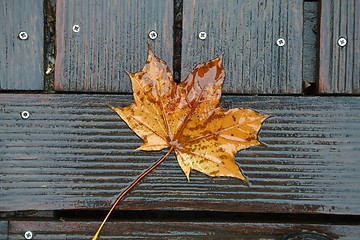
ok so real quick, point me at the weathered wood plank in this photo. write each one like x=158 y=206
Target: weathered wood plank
x=246 y=32
x=75 y=153
x=340 y=66
x=3 y=229
x=95 y=58
x=310 y=44
x=21 y=61
x=179 y=230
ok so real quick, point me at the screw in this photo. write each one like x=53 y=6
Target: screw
x=153 y=34
x=28 y=235
x=342 y=42
x=23 y=35
x=76 y=28
x=202 y=35
x=25 y=114
x=48 y=71
x=280 y=42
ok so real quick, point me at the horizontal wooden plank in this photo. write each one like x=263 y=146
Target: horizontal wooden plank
x=180 y=230
x=73 y=152
x=21 y=61
x=340 y=65
x=246 y=32
x=111 y=39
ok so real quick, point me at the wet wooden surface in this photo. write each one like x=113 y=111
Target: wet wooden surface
x=179 y=230
x=73 y=152
x=96 y=58
x=310 y=47
x=246 y=33
x=21 y=61
x=340 y=66
x=3 y=229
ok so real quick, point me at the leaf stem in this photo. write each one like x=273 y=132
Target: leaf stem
x=131 y=186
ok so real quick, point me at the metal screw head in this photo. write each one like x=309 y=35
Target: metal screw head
x=48 y=70
x=342 y=42
x=153 y=34
x=25 y=114
x=28 y=235
x=76 y=28
x=280 y=42
x=202 y=35
x=23 y=35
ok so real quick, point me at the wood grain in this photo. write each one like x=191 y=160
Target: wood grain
x=310 y=45
x=178 y=230
x=340 y=66
x=21 y=61
x=75 y=153
x=3 y=229
x=95 y=58
x=246 y=33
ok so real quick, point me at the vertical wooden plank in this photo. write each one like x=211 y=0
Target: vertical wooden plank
x=21 y=61
x=246 y=32
x=310 y=59
x=340 y=65
x=112 y=39
x=4 y=226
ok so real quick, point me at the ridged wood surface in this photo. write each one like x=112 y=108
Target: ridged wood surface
x=179 y=230
x=112 y=39
x=3 y=229
x=340 y=66
x=73 y=152
x=246 y=33
x=21 y=61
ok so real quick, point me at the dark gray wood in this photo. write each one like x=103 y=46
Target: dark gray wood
x=3 y=229
x=178 y=230
x=246 y=32
x=21 y=61
x=112 y=39
x=75 y=153
x=340 y=66
x=310 y=57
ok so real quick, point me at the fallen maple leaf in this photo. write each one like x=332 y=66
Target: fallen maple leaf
x=188 y=119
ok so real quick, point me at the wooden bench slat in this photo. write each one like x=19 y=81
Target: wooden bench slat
x=177 y=230
x=246 y=32
x=75 y=153
x=340 y=66
x=112 y=39
x=21 y=61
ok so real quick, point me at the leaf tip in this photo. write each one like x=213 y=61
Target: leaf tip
x=219 y=59
x=267 y=116
x=149 y=50
x=247 y=182
x=221 y=56
x=261 y=144
x=111 y=107
x=141 y=148
x=130 y=74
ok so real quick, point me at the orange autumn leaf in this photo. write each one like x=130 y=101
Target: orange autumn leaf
x=188 y=118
